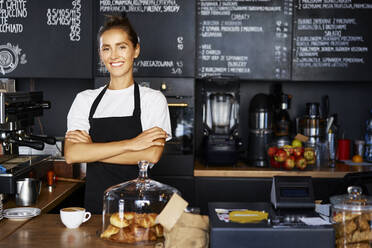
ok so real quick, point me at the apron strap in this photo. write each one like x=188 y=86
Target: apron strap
x=137 y=102
x=96 y=102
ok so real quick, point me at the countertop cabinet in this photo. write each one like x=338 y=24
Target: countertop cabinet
x=231 y=190
x=219 y=189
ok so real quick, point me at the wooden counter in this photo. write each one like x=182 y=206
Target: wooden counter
x=46 y=201
x=47 y=231
x=243 y=170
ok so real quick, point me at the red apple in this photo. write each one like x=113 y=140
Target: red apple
x=288 y=149
x=301 y=163
x=275 y=164
x=289 y=163
x=298 y=151
x=280 y=155
x=271 y=151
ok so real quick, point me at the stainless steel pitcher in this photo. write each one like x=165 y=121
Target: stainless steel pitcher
x=28 y=190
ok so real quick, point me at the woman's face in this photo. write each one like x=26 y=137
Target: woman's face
x=117 y=52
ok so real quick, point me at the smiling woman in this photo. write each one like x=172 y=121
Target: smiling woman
x=117 y=52
x=116 y=126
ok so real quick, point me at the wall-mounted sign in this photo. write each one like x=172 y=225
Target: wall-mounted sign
x=245 y=39
x=332 y=40
x=45 y=38
x=166 y=30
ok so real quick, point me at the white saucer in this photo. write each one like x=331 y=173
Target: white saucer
x=21 y=213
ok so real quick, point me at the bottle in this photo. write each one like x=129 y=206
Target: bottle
x=368 y=139
x=282 y=119
x=332 y=137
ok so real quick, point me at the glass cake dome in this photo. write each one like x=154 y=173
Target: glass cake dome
x=130 y=209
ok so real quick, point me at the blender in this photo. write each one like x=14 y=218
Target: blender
x=220 y=120
x=260 y=130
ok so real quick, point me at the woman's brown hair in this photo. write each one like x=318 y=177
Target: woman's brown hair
x=121 y=22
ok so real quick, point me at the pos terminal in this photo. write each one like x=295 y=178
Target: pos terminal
x=292 y=202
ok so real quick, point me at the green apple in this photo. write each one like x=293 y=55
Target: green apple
x=296 y=143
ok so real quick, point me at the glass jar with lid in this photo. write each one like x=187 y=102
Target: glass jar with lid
x=130 y=209
x=352 y=215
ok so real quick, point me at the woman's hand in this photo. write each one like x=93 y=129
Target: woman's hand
x=148 y=138
x=78 y=136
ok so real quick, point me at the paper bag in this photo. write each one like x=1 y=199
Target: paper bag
x=190 y=231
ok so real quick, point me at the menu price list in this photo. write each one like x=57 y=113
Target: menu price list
x=249 y=39
x=45 y=38
x=332 y=41
x=166 y=29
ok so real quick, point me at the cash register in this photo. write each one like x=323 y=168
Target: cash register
x=292 y=202
x=18 y=111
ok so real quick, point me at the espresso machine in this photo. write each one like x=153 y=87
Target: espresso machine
x=260 y=130
x=220 y=122
x=17 y=113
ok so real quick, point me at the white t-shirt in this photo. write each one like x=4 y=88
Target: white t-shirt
x=118 y=103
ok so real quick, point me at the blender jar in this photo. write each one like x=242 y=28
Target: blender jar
x=130 y=209
x=221 y=105
x=352 y=216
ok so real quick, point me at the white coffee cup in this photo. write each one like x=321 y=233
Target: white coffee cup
x=73 y=217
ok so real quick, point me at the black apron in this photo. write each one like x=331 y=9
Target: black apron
x=101 y=175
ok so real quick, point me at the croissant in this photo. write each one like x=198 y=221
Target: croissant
x=119 y=222
x=125 y=235
x=145 y=220
x=111 y=230
x=133 y=227
x=159 y=231
x=140 y=233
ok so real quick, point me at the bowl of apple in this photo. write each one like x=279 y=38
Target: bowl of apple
x=292 y=156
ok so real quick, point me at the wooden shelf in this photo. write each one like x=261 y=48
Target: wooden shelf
x=46 y=201
x=243 y=170
x=47 y=231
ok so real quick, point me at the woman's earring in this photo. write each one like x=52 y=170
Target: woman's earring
x=101 y=67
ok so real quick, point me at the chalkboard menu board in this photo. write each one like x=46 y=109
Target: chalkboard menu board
x=245 y=39
x=46 y=38
x=166 y=29
x=332 y=40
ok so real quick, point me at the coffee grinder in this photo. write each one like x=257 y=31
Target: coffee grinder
x=260 y=130
x=220 y=122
